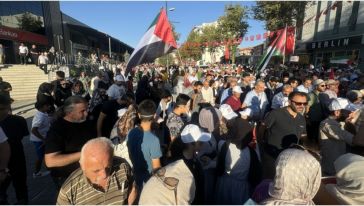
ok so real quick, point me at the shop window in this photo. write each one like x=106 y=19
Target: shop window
x=340 y=53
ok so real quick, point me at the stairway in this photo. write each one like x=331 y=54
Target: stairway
x=24 y=79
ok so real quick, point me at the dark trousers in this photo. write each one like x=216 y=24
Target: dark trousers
x=23 y=58
x=44 y=68
x=35 y=59
x=18 y=176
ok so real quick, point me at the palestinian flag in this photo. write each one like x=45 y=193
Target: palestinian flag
x=156 y=42
x=277 y=47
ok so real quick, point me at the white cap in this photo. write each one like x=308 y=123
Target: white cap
x=335 y=105
x=246 y=112
x=192 y=133
x=121 y=112
x=343 y=102
x=227 y=112
x=119 y=78
x=237 y=89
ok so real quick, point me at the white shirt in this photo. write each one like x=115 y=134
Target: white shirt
x=208 y=95
x=115 y=91
x=302 y=88
x=23 y=49
x=279 y=101
x=192 y=78
x=40 y=120
x=3 y=136
x=43 y=59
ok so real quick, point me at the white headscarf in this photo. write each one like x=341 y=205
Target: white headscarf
x=349 y=187
x=297 y=179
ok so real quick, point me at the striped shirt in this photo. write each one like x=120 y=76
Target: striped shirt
x=78 y=191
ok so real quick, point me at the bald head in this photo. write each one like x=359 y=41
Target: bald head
x=259 y=86
x=96 y=160
x=96 y=148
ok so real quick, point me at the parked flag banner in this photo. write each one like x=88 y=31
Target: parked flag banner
x=156 y=42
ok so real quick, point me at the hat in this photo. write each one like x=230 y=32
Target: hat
x=227 y=112
x=192 y=133
x=343 y=102
x=335 y=105
x=119 y=78
x=237 y=89
x=331 y=81
x=246 y=112
x=318 y=82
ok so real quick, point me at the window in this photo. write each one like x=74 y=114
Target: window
x=338 y=17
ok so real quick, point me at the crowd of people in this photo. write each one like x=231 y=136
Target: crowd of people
x=224 y=134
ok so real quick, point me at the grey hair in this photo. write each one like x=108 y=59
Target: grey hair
x=70 y=103
x=103 y=142
x=258 y=82
x=286 y=86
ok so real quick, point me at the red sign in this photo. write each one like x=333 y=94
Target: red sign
x=22 y=36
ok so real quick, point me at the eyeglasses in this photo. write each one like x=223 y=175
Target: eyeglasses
x=299 y=103
x=316 y=155
x=169 y=182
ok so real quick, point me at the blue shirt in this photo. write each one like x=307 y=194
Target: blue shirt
x=257 y=103
x=143 y=147
x=225 y=94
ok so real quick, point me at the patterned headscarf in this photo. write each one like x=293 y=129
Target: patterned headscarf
x=297 y=179
x=126 y=122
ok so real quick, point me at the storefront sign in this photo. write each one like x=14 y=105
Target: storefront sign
x=335 y=43
x=22 y=36
x=80 y=46
x=294 y=59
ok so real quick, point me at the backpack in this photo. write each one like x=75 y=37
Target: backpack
x=255 y=169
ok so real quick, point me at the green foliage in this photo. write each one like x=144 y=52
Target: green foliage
x=278 y=14
x=30 y=23
x=233 y=23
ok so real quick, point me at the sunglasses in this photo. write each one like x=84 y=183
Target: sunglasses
x=299 y=103
x=316 y=155
x=169 y=182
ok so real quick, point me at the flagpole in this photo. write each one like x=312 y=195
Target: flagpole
x=285 y=44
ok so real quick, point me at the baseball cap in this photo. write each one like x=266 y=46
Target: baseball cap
x=119 y=78
x=335 y=105
x=227 y=112
x=237 y=89
x=318 y=82
x=192 y=133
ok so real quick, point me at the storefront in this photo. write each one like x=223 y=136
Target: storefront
x=11 y=38
x=349 y=48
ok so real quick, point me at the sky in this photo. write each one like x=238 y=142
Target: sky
x=128 y=21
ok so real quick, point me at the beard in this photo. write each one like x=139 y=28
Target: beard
x=79 y=121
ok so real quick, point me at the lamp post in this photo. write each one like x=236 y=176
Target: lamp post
x=109 y=47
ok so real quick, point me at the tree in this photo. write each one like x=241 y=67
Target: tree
x=192 y=52
x=233 y=24
x=30 y=22
x=211 y=34
x=278 y=14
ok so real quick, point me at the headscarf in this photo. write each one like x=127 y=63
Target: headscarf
x=95 y=100
x=349 y=187
x=209 y=118
x=297 y=178
x=126 y=122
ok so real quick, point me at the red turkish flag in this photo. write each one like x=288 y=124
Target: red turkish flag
x=246 y=38
x=252 y=38
x=265 y=35
x=258 y=36
x=290 y=40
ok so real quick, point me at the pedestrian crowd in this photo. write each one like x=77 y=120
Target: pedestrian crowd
x=222 y=134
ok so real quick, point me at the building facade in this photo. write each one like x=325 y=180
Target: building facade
x=335 y=34
x=42 y=23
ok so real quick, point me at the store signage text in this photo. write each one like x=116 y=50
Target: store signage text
x=334 y=43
